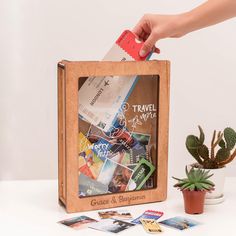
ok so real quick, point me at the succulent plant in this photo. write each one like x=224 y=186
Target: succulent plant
x=197 y=180
x=212 y=159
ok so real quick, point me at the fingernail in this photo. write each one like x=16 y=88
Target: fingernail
x=142 y=53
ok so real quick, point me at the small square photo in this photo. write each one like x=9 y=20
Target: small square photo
x=119 y=215
x=111 y=225
x=78 y=222
x=180 y=223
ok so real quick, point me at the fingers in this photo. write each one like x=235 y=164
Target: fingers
x=138 y=29
x=157 y=50
x=148 y=45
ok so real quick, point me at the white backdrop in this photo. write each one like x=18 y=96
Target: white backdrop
x=36 y=34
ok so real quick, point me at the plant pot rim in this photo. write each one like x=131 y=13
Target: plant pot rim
x=201 y=167
x=186 y=190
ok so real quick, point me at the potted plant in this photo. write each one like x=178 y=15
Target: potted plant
x=216 y=157
x=194 y=188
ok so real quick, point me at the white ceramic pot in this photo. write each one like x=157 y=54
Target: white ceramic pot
x=218 y=178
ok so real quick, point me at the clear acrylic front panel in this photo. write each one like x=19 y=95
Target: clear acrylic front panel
x=117 y=137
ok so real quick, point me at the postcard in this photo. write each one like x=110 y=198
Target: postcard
x=102 y=148
x=107 y=172
x=111 y=225
x=90 y=164
x=89 y=187
x=78 y=222
x=114 y=175
x=137 y=153
x=180 y=223
x=143 y=139
x=83 y=142
x=119 y=215
x=94 y=134
x=117 y=157
x=122 y=158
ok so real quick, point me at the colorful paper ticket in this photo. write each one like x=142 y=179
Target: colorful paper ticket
x=151 y=226
x=149 y=214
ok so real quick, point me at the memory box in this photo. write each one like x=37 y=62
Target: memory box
x=113 y=129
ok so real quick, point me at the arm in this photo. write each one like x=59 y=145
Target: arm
x=209 y=13
x=152 y=28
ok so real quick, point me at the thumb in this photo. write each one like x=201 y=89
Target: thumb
x=148 y=45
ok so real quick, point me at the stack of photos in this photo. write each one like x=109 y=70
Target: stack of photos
x=115 y=221
x=120 y=158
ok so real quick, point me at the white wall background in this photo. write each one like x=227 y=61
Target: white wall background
x=36 y=34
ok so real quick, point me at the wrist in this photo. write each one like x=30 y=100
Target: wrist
x=185 y=23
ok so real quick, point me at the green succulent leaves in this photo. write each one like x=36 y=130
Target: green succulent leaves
x=192 y=144
x=230 y=138
x=222 y=154
x=206 y=156
x=222 y=143
x=196 y=146
x=202 y=135
x=197 y=180
x=203 y=151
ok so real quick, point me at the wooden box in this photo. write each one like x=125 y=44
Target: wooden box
x=152 y=88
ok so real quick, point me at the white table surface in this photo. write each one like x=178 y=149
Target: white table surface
x=31 y=208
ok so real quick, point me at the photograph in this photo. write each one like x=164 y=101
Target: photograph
x=137 y=153
x=111 y=225
x=115 y=176
x=116 y=157
x=119 y=215
x=122 y=157
x=83 y=142
x=78 y=222
x=143 y=139
x=102 y=148
x=180 y=223
x=140 y=149
x=107 y=172
x=94 y=134
x=90 y=187
x=90 y=164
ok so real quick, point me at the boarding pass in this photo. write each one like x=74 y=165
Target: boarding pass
x=101 y=98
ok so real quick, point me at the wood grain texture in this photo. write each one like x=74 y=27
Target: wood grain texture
x=61 y=134
x=68 y=172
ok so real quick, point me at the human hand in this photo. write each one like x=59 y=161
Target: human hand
x=152 y=28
